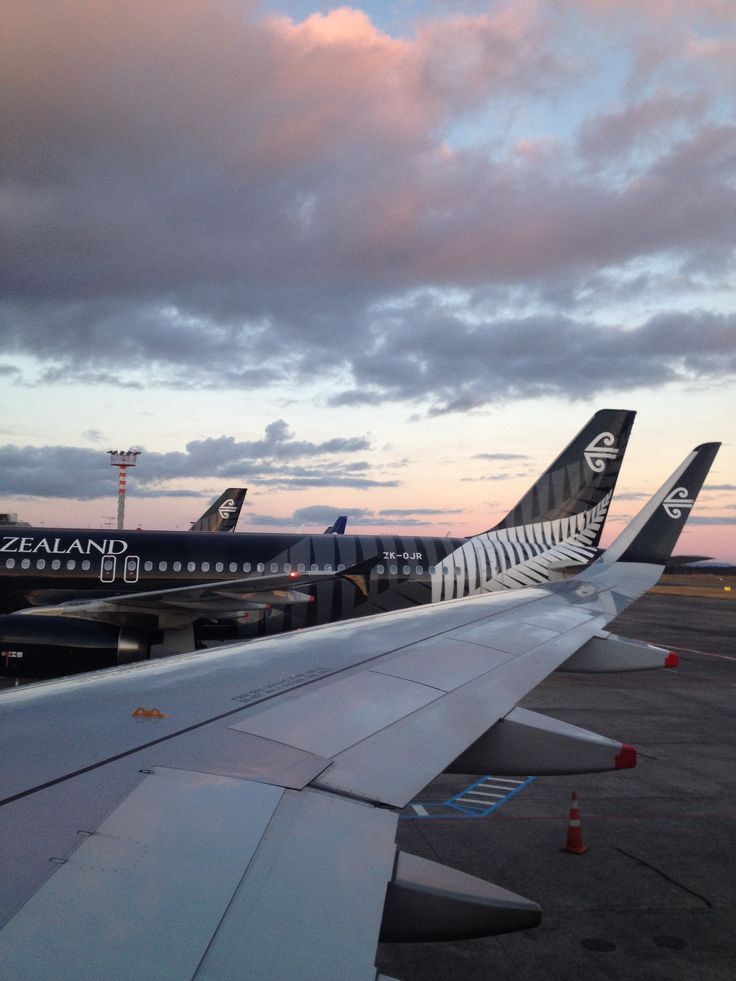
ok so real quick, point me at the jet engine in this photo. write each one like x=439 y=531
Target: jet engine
x=49 y=646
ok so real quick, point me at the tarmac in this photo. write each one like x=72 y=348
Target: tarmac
x=654 y=897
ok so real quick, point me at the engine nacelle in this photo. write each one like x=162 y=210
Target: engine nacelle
x=49 y=646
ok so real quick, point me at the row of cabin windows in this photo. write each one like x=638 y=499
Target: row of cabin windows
x=233 y=567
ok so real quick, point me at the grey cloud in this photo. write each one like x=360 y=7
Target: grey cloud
x=437 y=354
x=324 y=514
x=235 y=205
x=500 y=456
x=276 y=460
x=700 y=519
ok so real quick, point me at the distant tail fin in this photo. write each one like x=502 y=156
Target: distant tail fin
x=653 y=533
x=224 y=513
x=339 y=526
x=582 y=477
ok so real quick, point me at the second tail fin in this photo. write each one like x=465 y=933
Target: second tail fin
x=224 y=513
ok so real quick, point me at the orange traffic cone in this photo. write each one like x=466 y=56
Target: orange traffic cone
x=574 y=843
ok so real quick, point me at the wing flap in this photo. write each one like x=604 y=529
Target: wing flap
x=134 y=871
x=376 y=768
x=297 y=912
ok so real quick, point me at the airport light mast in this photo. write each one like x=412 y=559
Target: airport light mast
x=122 y=459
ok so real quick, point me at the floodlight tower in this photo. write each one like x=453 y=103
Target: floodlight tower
x=122 y=459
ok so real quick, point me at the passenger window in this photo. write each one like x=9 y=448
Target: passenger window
x=432 y=570
x=176 y=566
x=380 y=570
x=191 y=566
x=147 y=566
x=314 y=567
x=233 y=567
x=393 y=569
x=274 y=567
x=86 y=564
x=406 y=570
x=205 y=567
x=260 y=567
x=287 y=566
x=10 y=563
x=328 y=567
x=219 y=567
x=301 y=567
x=246 y=567
x=341 y=568
x=71 y=564
x=420 y=570
x=41 y=563
x=163 y=566
x=25 y=563
x=56 y=563
x=445 y=570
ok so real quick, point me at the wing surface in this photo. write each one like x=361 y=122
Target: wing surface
x=233 y=814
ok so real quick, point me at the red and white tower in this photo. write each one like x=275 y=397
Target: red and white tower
x=122 y=459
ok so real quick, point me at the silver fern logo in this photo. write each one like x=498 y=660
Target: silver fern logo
x=676 y=500
x=602 y=449
x=226 y=509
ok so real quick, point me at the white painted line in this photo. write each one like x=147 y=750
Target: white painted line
x=421 y=811
x=483 y=797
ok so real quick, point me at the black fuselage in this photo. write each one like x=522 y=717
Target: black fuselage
x=45 y=567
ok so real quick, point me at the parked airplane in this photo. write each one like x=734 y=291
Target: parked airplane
x=338 y=526
x=223 y=514
x=234 y=814
x=94 y=599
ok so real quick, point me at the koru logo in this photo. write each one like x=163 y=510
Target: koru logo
x=600 y=451
x=676 y=501
x=226 y=509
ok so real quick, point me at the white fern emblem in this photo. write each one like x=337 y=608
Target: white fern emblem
x=602 y=449
x=676 y=501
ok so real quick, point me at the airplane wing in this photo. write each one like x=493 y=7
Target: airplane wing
x=184 y=604
x=233 y=814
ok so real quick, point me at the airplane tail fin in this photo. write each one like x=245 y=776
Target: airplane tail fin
x=224 y=513
x=653 y=533
x=582 y=477
x=339 y=526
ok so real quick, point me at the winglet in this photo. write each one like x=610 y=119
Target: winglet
x=583 y=474
x=653 y=533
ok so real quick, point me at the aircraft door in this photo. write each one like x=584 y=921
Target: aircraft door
x=132 y=568
x=107 y=568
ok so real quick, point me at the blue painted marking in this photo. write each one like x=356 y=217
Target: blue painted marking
x=459 y=808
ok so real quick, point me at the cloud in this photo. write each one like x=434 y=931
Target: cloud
x=276 y=460
x=461 y=364
x=699 y=519
x=325 y=514
x=500 y=456
x=206 y=197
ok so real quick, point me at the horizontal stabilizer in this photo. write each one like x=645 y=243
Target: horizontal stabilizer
x=609 y=652
x=427 y=902
x=528 y=743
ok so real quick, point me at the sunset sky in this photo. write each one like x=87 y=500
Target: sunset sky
x=383 y=259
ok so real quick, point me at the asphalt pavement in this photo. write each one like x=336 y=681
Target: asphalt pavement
x=654 y=897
